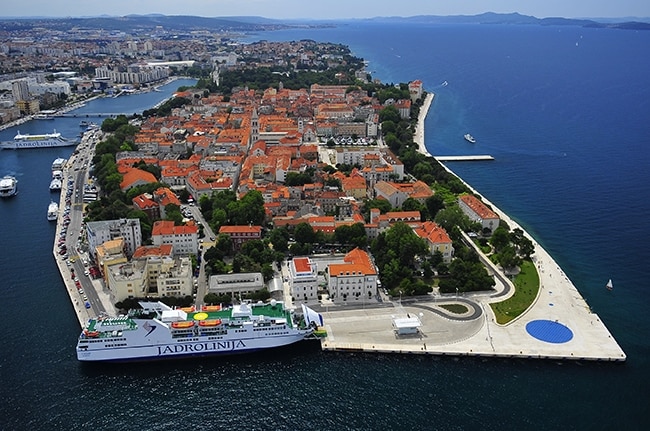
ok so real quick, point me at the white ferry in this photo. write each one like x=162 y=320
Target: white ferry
x=157 y=331
x=8 y=186
x=52 y=211
x=37 y=141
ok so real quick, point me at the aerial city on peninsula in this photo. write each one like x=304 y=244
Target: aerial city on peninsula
x=286 y=196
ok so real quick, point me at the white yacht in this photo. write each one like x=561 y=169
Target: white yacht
x=8 y=186
x=52 y=211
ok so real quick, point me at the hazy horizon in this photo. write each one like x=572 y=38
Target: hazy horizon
x=331 y=10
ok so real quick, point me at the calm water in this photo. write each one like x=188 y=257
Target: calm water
x=565 y=113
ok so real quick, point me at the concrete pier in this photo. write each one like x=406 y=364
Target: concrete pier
x=463 y=158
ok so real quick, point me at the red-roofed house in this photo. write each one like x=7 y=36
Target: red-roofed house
x=353 y=280
x=145 y=202
x=437 y=239
x=478 y=211
x=241 y=234
x=184 y=239
x=136 y=177
x=303 y=279
x=163 y=196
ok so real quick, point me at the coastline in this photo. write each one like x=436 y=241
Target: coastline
x=476 y=332
x=557 y=296
x=418 y=138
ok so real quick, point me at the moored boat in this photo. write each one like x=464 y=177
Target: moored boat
x=52 y=211
x=55 y=184
x=157 y=331
x=8 y=186
x=58 y=164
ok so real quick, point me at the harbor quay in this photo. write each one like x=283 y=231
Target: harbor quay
x=77 y=260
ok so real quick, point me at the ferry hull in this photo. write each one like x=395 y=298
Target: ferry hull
x=179 y=349
x=35 y=144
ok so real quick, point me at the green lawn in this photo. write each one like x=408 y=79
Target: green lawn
x=455 y=308
x=526 y=288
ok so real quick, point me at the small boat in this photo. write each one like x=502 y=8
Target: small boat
x=211 y=322
x=609 y=285
x=469 y=138
x=55 y=184
x=182 y=324
x=8 y=186
x=52 y=211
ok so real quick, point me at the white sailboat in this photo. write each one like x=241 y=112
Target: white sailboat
x=609 y=285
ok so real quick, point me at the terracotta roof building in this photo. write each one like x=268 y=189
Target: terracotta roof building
x=241 y=234
x=303 y=279
x=354 y=280
x=477 y=211
x=184 y=239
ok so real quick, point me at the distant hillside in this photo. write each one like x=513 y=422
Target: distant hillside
x=515 y=18
x=145 y=22
x=181 y=23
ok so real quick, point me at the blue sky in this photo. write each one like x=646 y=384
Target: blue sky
x=327 y=9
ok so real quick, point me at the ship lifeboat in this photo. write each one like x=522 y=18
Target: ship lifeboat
x=211 y=308
x=211 y=322
x=182 y=325
x=188 y=309
x=91 y=334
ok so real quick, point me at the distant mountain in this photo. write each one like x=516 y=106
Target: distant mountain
x=180 y=23
x=515 y=18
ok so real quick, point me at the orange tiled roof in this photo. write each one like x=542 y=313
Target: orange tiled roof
x=478 y=207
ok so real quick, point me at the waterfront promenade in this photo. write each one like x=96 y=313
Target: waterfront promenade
x=78 y=260
x=558 y=307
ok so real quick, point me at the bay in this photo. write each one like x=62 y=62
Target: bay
x=564 y=111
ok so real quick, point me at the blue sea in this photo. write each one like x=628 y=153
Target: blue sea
x=565 y=111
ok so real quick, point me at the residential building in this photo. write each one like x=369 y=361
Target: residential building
x=240 y=234
x=479 y=212
x=183 y=239
x=303 y=279
x=98 y=232
x=437 y=239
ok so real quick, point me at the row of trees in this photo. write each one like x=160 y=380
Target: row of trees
x=223 y=208
x=510 y=248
